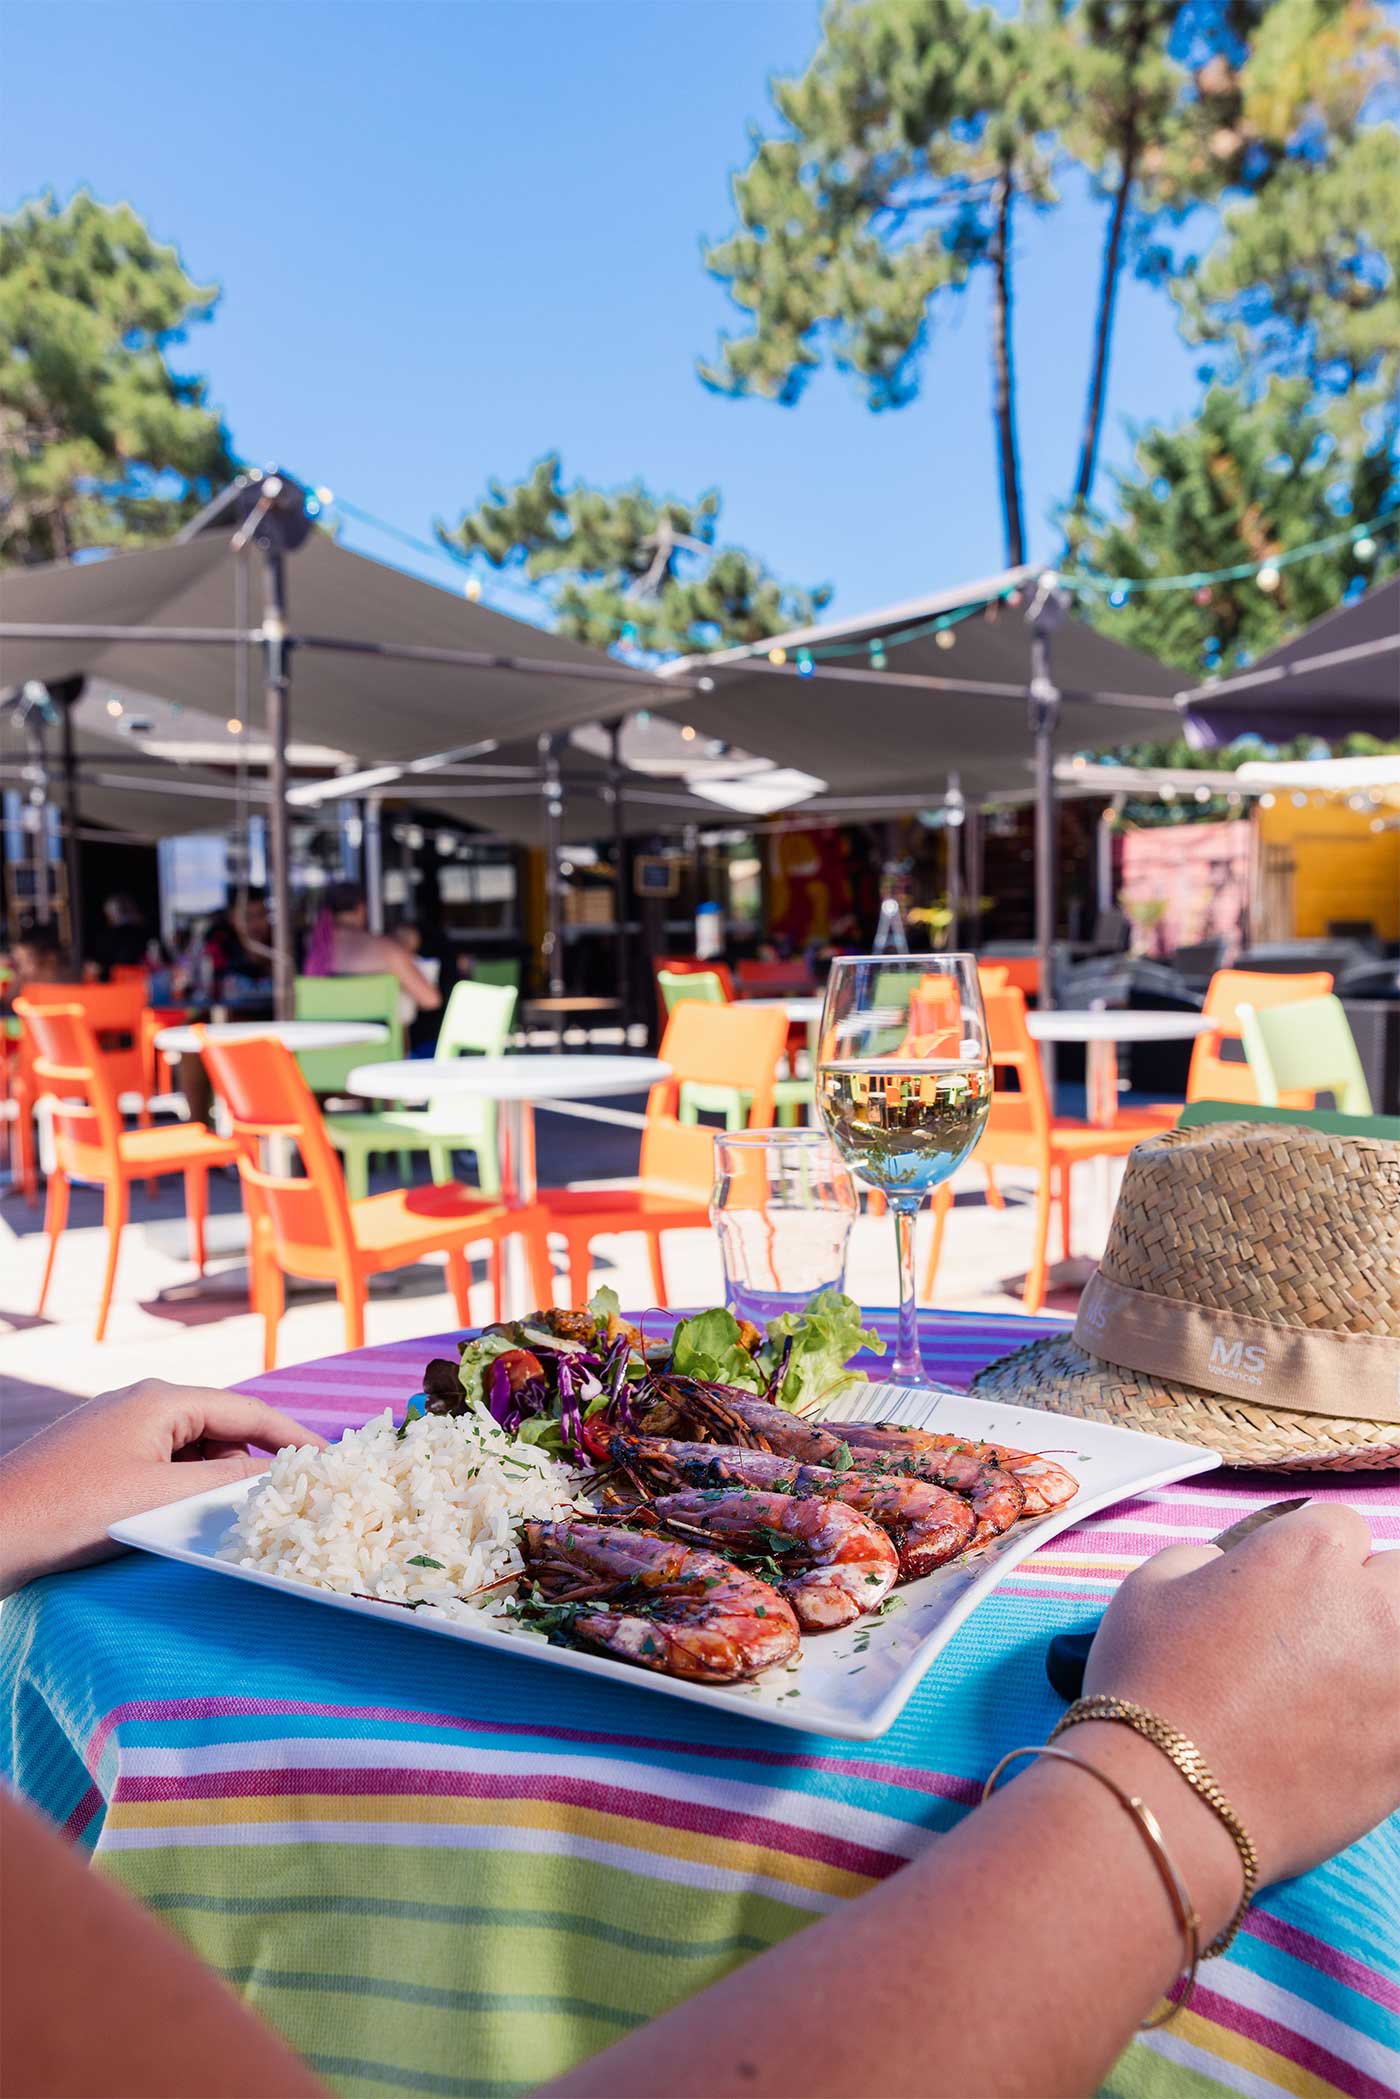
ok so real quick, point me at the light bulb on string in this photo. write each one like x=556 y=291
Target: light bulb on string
x=1118 y=597
x=805 y=665
x=945 y=638
x=1268 y=578
x=234 y=725
x=471 y=589
x=1364 y=548
x=1202 y=794
x=114 y=708
x=1300 y=801
x=878 y=658
x=687 y=734
x=778 y=656
x=1266 y=801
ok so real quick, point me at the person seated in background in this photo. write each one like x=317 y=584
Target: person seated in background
x=1014 y=1956
x=343 y=946
x=37 y=956
x=235 y=950
x=125 y=940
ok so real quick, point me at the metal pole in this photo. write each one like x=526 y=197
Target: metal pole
x=276 y=680
x=374 y=864
x=1046 y=613
x=1103 y=862
x=955 y=815
x=623 y=961
x=974 y=847
x=71 y=854
x=553 y=946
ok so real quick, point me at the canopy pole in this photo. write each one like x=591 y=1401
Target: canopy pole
x=553 y=944
x=1047 y=612
x=975 y=850
x=276 y=681
x=72 y=857
x=373 y=854
x=954 y=817
x=619 y=815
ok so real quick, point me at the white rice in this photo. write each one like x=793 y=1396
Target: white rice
x=453 y=1489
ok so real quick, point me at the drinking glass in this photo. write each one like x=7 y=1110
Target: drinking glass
x=904 y=1083
x=782 y=1209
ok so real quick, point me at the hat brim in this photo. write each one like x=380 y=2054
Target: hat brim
x=1062 y=1378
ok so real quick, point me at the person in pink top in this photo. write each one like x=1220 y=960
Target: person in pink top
x=342 y=945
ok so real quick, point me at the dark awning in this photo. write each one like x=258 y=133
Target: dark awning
x=1339 y=677
x=934 y=709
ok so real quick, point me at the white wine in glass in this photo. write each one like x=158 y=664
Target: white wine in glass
x=904 y=1083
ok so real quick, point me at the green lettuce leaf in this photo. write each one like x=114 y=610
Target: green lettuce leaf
x=825 y=1334
x=605 y=1304
x=708 y=1346
x=477 y=1356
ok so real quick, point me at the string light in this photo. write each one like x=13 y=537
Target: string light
x=471 y=589
x=234 y=725
x=777 y=656
x=687 y=734
x=1300 y=801
x=945 y=638
x=1268 y=578
x=114 y=708
x=805 y=666
x=1266 y=801
x=1118 y=597
x=1364 y=548
x=878 y=658
x=1202 y=794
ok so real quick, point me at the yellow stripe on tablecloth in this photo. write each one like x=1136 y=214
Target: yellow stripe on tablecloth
x=1241 y=2053
x=697 y=1848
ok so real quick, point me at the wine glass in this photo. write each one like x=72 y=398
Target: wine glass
x=904 y=1083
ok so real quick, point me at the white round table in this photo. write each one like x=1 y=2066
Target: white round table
x=1101 y=1029
x=182 y=1041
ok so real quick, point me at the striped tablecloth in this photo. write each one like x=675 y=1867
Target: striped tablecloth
x=444 y=1871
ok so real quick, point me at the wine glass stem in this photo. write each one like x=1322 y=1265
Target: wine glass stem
x=908 y=1365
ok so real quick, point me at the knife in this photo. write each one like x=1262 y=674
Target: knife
x=1068 y=1653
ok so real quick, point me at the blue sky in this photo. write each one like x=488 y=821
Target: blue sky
x=455 y=234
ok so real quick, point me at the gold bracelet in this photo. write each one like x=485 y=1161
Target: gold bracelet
x=1182 y=1752
x=1183 y=1908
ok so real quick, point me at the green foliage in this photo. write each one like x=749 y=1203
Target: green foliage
x=101 y=443
x=615 y=559
x=1244 y=481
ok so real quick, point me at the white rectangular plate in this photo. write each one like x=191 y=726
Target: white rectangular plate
x=854 y=1683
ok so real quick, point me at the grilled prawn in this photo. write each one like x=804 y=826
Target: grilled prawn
x=731 y=1416
x=927 y=1524
x=1047 y=1485
x=655 y=1601
x=832 y=1564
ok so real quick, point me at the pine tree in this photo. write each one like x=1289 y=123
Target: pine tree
x=1243 y=482
x=102 y=444
x=625 y=565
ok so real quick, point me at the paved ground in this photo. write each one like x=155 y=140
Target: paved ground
x=166 y=1323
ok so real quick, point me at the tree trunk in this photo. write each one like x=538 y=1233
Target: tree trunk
x=1003 y=374
x=1103 y=324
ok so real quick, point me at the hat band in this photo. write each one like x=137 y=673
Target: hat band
x=1353 y=1377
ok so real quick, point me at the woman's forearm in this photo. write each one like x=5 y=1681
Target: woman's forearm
x=1032 y=1941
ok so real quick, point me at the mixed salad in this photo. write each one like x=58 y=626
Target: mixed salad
x=564 y=1380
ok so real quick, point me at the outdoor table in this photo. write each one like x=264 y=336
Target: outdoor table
x=1101 y=1029
x=518 y=1085
x=564 y=1011
x=442 y=1870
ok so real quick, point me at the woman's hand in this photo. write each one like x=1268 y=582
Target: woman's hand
x=119 y=1455
x=1281 y=1661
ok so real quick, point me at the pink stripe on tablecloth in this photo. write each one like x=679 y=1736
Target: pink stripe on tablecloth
x=1286 y=2041
x=1328 y=1960
x=943 y=1785
x=90 y=1804
x=699 y=1817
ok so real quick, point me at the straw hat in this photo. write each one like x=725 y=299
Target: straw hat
x=1248 y=1300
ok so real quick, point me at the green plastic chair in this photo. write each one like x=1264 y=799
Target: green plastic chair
x=1307 y=1047
x=790 y=1096
x=1197 y=1113
x=507 y=973
x=348 y=998
x=476 y=1021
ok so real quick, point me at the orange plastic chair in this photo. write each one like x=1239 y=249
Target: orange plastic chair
x=1211 y=1077
x=717 y=1053
x=307 y=1225
x=1021 y=1131
x=672 y=1191
x=91 y=1144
